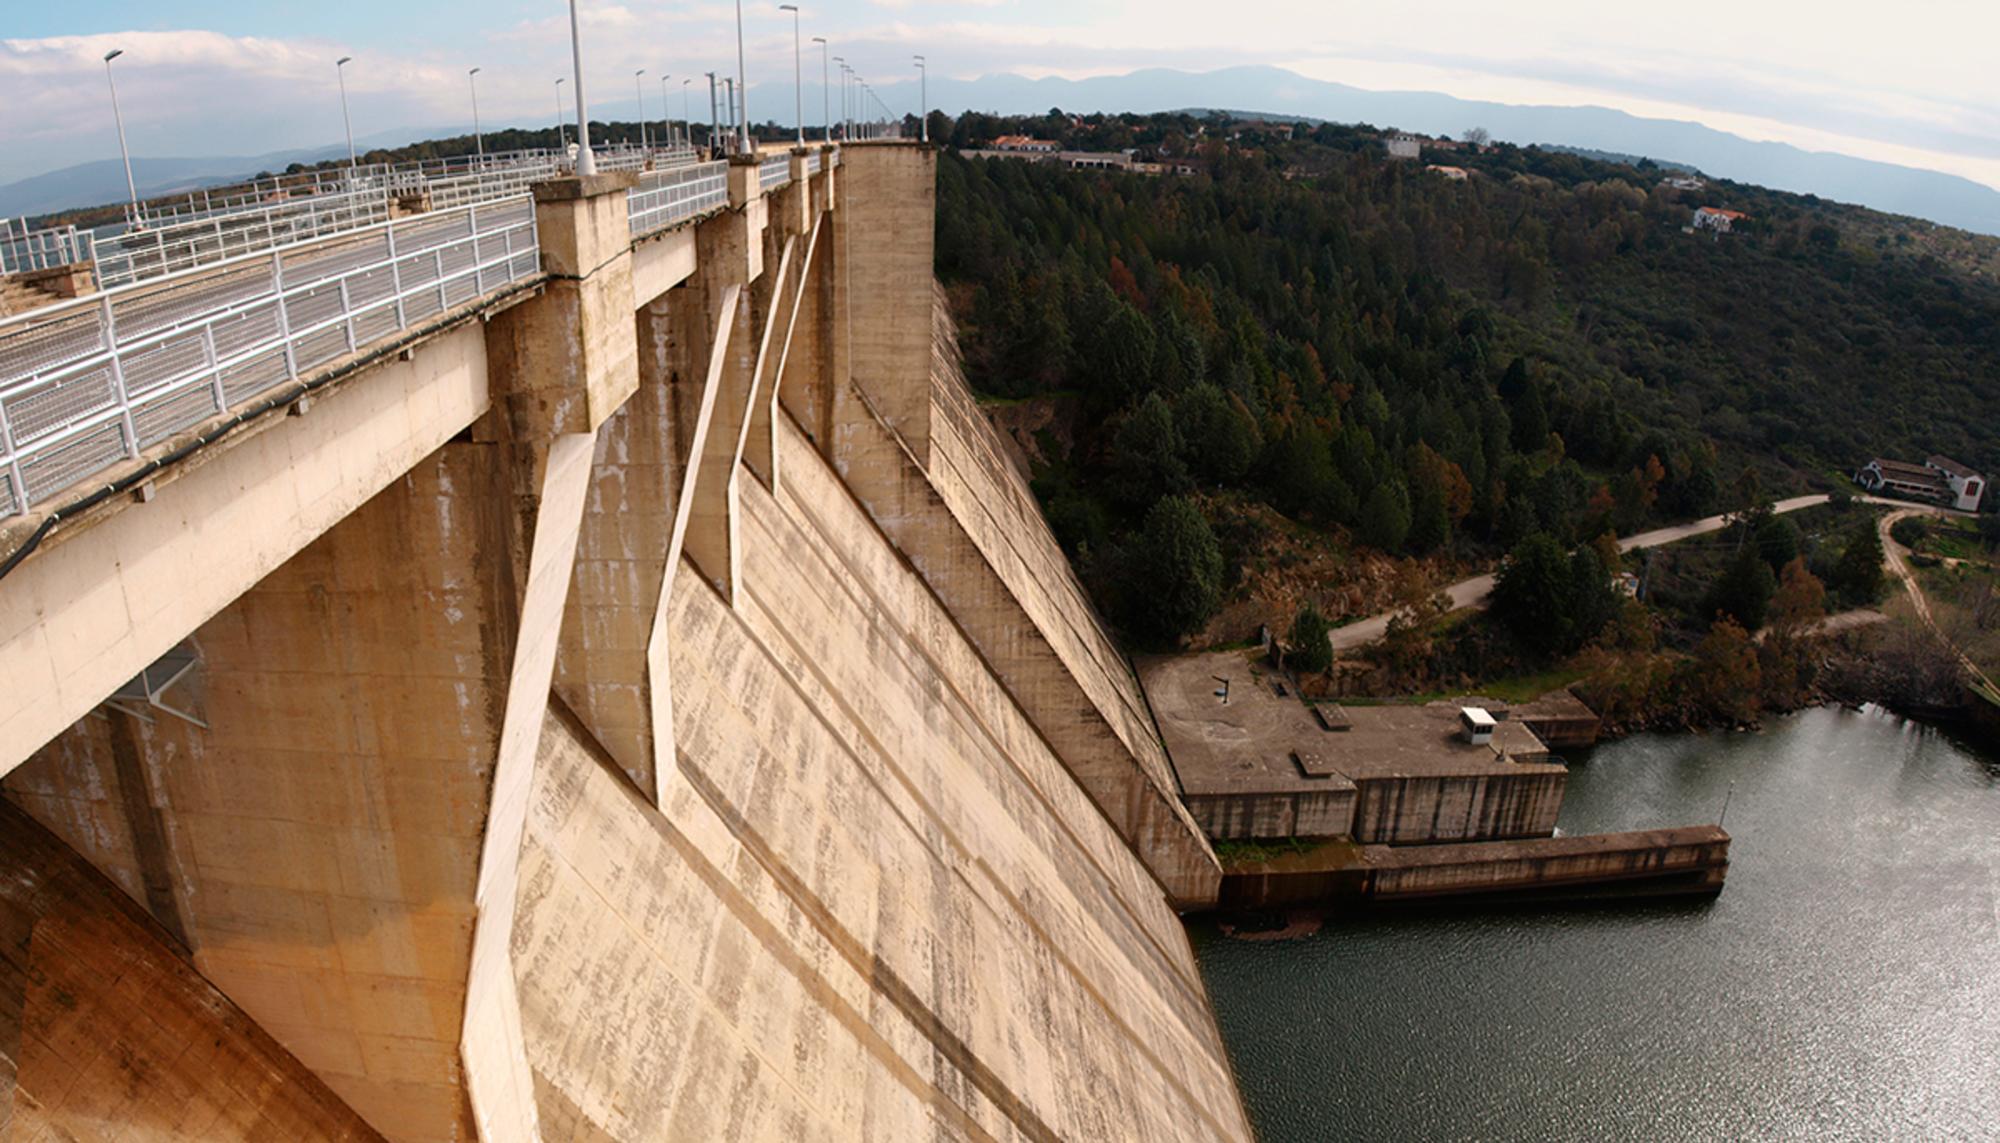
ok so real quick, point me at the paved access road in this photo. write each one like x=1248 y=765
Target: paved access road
x=1474 y=592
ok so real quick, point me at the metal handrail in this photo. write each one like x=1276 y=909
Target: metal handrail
x=665 y=198
x=22 y=250
x=812 y=163
x=133 y=255
x=774 y=173
x=208 y=227
x=89 y=384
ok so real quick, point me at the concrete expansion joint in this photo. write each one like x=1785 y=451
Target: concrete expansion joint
x=555 y=276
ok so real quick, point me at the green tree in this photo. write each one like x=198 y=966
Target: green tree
x=1858 y=575
x=1777 y=541
x=1385 y=519
x=1176 y=572
x=1146 y=453
x=1743 y=591
x=1553 y=602
x=1223 y=436
x=1308 y=650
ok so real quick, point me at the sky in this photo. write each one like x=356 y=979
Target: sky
x=1913 y=83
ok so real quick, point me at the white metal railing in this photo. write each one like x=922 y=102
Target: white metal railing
x=774 y=173
x=663 y=198
x=88 y=384
x=198 y=240
x=22 y=250
x=212 y=226
x=812 y=162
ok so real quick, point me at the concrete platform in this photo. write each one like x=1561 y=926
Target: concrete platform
x=1687 y=860
x=1254 y=761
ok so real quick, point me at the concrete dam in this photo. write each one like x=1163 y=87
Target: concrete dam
x=574 y=665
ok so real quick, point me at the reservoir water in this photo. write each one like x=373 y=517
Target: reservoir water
x=1845 y=985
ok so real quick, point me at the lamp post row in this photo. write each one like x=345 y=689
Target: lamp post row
x=851 y=87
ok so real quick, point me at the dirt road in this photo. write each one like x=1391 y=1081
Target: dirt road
x=1474 y=592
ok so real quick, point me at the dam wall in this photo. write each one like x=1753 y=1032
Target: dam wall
x=630 y=763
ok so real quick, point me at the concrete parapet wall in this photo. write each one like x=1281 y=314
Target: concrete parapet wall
x=1477 y=807
x=1271 y=816
x=1678 y=861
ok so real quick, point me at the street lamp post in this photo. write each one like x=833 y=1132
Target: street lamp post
x=478 y=139
x=714 y=121
x=923 y=98
x=639 y=90
x=825 y=93
x=666 y=115
x=586 y=163
x=729 y=109
x=131 y=188
x=340 y=70
x=742 y=87
x=687 y=124
x=562 y=137
x=798 y=88
x=843 y=97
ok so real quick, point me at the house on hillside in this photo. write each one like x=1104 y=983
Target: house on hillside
x=1404 y=146
x=1455 y=174
x=1683 y=183
x=1966 y=485
x=1096 y=160
x=1024 y=144
x=1940 y=480
x=1263 y=127
x=1717 y=219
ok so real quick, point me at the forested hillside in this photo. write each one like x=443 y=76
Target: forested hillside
x=1428 y=365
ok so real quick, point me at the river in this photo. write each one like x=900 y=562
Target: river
x=1845 y=985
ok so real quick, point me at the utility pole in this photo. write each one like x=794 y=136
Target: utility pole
x=478 y=139
x=340 y=70
x=825 y=93
x=131 y=188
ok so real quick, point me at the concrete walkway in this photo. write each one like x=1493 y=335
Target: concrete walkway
x=1475 y=591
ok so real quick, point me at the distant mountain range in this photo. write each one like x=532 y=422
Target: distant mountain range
x=1943 y=198
x=103 y=180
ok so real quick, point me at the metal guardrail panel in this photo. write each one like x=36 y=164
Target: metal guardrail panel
x=85 y=385
x=666 y=198
x=774 y=173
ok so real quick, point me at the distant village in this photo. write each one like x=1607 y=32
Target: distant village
x=1399 y=145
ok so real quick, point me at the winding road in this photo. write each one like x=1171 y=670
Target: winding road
x=1474 y=592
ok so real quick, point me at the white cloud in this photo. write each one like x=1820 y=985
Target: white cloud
x=1914 y=84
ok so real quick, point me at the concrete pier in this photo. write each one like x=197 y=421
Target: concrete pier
x=1684 y=861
